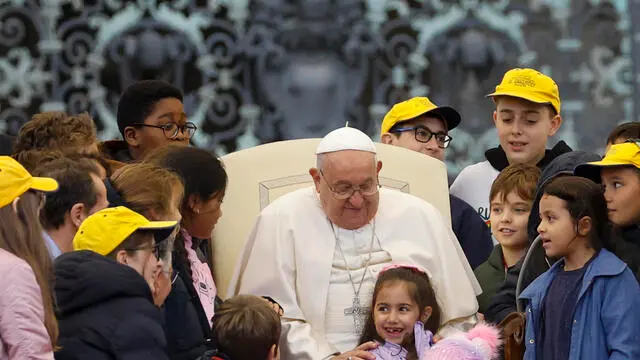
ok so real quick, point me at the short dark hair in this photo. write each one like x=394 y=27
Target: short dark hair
x=201 y=171
x=139 y=99
x=624 y=132
x=583 y=198
x=75 y=187
x=246 y=327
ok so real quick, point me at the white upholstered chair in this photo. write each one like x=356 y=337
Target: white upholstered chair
x=261 y=174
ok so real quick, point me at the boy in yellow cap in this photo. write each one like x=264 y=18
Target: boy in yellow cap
x=104 y=288
x=419 y=125
x=527 y=113
x=619 y=173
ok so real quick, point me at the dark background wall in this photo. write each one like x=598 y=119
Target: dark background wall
x=264 y=70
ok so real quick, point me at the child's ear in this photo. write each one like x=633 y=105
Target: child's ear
x=273 y=353
x=426 y=314
x=556 y=121
x=584 y=226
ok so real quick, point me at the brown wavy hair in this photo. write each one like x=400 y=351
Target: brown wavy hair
x=57 y=130
x=519 y=178
x=21 y=235
x=147 y=188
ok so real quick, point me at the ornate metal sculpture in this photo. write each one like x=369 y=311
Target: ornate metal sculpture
x=264 y=70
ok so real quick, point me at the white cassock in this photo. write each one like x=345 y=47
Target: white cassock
x=292 y=255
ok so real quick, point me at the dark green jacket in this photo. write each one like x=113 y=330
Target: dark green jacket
x=490 y=275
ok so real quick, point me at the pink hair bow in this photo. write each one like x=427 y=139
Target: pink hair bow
x=404 y=266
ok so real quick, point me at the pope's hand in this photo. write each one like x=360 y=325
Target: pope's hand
x=274 y=305
x=480 y=316
x=359 y=353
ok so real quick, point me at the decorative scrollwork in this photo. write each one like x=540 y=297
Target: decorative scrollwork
x=255 y=71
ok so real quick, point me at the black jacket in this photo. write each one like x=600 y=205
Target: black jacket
x=498 y=158
x=504 y=301
x=187 y=327
x=625 y=243
x=105 y=310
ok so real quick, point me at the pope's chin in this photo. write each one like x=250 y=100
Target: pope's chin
x=352 y=219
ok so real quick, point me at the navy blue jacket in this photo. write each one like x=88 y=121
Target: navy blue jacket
x=472 y=232
x=106 y=311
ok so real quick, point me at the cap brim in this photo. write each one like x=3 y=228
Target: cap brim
x=44 y=184
x=449 y=114
x=158 y=225
x=530 y=97
x=592 y=170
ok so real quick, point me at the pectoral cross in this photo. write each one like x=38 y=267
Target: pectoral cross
x=359 y=314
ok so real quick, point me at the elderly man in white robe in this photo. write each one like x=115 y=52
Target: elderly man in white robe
x=318 y=251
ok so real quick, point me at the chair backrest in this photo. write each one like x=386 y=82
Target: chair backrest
x=259 y=175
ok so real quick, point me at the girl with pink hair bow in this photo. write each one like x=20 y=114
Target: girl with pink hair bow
x=405 y=315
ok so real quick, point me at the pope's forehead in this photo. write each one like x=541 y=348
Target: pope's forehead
x=348 y=155
x=349 y=160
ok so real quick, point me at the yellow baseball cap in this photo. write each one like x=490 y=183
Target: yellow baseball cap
x=624 y=154
x=415 y=107
x=15 y=180
x=529 y=84
x=103 y=231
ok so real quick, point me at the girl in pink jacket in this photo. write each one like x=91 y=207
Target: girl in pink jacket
x=28 y=328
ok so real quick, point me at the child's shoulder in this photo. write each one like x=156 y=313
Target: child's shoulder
x=606 y=264
x=479 y=167
x=472 y=174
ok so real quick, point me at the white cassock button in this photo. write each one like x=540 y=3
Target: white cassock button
x=531 y=341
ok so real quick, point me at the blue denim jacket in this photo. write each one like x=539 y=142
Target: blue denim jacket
x=606 y=321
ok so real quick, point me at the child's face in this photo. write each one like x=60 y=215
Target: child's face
x=407 y=139
x=509 y=218
x=557 y=228
x=395 y=312
x=523 y=128
x=145 y=262
x=622 y=191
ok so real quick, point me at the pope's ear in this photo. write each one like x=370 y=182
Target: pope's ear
x=379 y=166
x=315 y=174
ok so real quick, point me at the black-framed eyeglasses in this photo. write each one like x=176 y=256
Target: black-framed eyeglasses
x=158 y=249
x=171 y=130
x=344 y=191
x=423 y=135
